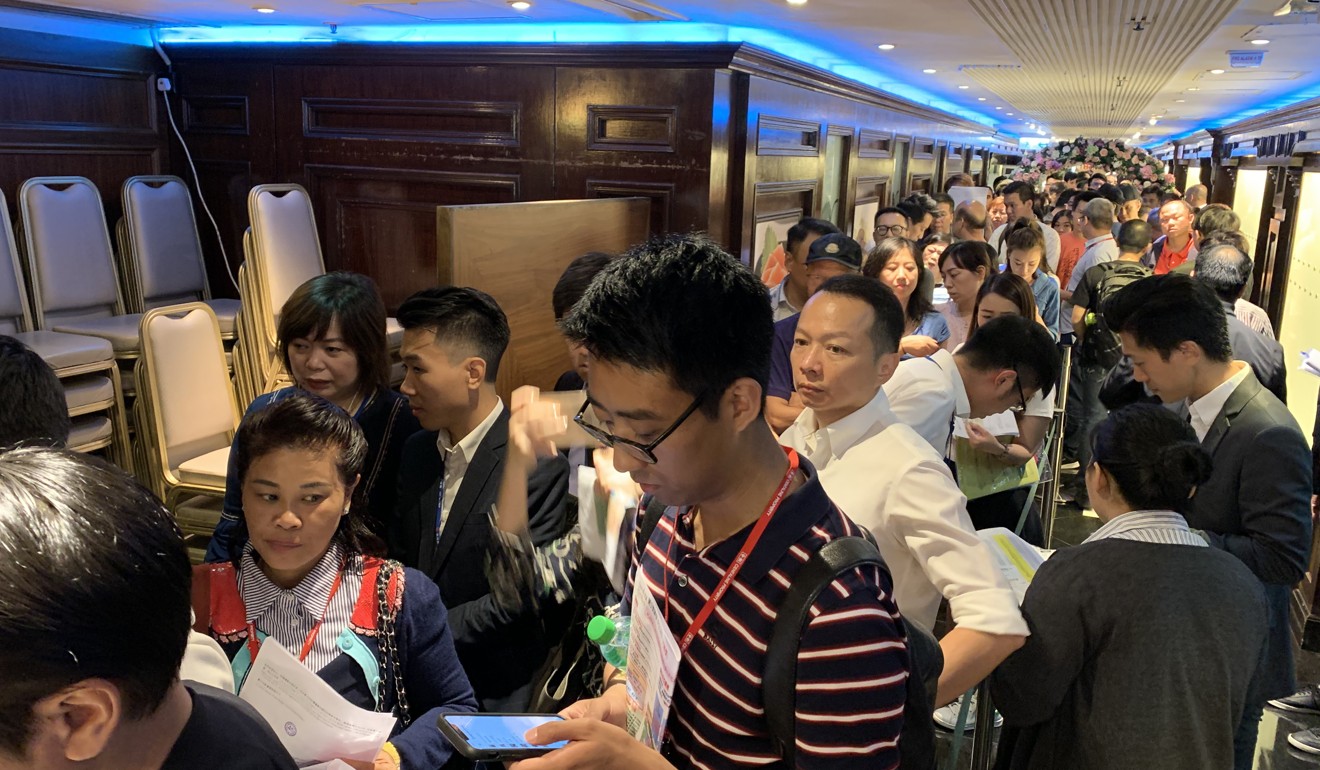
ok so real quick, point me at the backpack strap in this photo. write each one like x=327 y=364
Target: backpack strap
x=779 y=690
x=651 y=516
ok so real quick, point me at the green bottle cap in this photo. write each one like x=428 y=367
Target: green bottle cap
x=600 y=630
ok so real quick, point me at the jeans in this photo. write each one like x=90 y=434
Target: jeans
x=1244 y=740
x=1083 y=410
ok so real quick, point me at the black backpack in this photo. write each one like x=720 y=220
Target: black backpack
x=779 y=680
x=1100 y=345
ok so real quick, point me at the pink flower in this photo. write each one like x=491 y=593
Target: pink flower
x=1104 y=153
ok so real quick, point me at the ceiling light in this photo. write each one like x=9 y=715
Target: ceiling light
x=520 y=5
x=1137 y=135
x=1009 y=114
x=929 y=72
x=886 y=46
x=1031 y=125
x=263 y=9
x=1216 y=72
x=980 y=98
x=1194 y=88
x=1284 y=9
x=1179 y=101
x=999 y=108
x=797 y=2
x=963 y=88
x=1260 y=41
x=1153 y=121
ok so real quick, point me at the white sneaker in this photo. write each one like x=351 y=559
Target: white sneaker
x=947 y=717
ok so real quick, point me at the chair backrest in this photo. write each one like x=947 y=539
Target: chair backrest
x=285 y=242
x=14 y=314
x=70 y=261
x=163 y=246
x=191 y=400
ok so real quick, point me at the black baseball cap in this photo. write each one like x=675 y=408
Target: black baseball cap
x=836 y=247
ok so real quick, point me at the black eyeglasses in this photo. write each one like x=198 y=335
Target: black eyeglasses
x=1022 y=395
x=890 y=231
x=643 y=452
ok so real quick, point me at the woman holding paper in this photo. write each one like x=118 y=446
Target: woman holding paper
x=373 y=630
x=1023 y=428
x=1142 y=631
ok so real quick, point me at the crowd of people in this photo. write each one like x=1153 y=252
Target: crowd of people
x=901 y=392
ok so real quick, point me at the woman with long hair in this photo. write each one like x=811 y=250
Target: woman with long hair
x=894 y=263
x=1024 y=247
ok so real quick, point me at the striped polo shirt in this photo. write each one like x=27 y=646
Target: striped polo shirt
x=852 y=664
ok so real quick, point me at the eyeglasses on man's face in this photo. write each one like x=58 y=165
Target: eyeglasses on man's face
x=890 y=231
x=1022 y=395
x=639 y=451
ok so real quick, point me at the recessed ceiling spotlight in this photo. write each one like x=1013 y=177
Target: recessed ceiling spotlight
x=1179 y=101
x=999 y=108
x=1216 y=72
x=1153 y=121
x=1194 y=88
x=929 y=71
x=520 y=5
x=263 y=9
x=963 y=88
x=886 y=46
x=980 y=98
x=1260 y=41
x=1009 y=114
x=797 y=2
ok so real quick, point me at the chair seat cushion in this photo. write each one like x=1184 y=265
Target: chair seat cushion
x=88 y=431
x=198 y=515
x=63 y=351
x=81 y=392
x=208 y=470
x=226 y=310
x=121 y=330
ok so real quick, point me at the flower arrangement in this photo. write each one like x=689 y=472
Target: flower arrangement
x=1093 y=156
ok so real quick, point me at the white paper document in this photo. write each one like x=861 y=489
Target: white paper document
x=1002 y=424
x=653 y=658
x=1017 y=559
x=314 y=722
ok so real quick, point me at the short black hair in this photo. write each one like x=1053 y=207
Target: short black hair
x=1129 y=192
x=1021 y=344
x=1111 y=193
x=305 y=421
x=914 y=211
x=352 y=300
x=928 y=204
x=807 y=226
x=1071 y=176
x=1065 y=199
x=892 y=210
x=1216 y=218
x=1164 y=311
x=678 y=305
x=1098 y=175
x=1083 y=197
x=1152 y=189
x=1152 y=455
x=94 y=583
x=1134 y=236
x=462 y=315
x=887 y=324
x=1025 y=192
x=1224 y=268
x=970 y=255
x=576 y=278
x=944 y=198
x=38 y=413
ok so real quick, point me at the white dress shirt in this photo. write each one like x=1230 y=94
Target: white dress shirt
x=926 y=394
x=886 y=478
x=1203 y=411
x=1052 y=245
x=1254 y=316
x=457 y=458
x=779 y=301
x=1162 y=527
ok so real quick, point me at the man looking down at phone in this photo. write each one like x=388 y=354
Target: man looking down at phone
x=679 y=333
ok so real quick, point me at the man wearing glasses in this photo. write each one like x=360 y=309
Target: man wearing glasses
x=1000 y=368
x=890 y=222
x=679 y=334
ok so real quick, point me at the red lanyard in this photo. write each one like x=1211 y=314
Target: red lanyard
x=748 y=546
x=254 y=646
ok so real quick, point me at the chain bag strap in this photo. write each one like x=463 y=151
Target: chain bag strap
x=390 y=665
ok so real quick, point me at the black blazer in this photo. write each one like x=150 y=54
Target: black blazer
x=501 y=651
x=1257 y=506
x=1262 y=352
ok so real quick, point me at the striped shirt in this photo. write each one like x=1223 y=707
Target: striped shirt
x=1160 y=527
x=289 y=615
x=852 y=663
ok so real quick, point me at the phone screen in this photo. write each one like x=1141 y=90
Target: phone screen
x=495 y=732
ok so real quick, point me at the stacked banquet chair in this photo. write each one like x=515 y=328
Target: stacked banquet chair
x=160 y=252
x=85 y=365
x=71 y=265
x=282 y=251
x=186 y=414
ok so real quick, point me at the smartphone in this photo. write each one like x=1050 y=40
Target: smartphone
x=495 y=737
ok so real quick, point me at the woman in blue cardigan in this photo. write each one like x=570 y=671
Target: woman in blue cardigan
x=332 y=338
x=373 y=630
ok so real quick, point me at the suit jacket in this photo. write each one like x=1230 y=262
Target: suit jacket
x=1256 y=506
x=1264 y=354
x=501 y=650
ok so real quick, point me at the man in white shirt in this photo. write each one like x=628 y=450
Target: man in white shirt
x=1256 y=504
x=1019 y=202
x=791 y=294
x=883 y=475
x=1000 y=368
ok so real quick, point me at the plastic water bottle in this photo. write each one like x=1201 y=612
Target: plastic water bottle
x=609 y=632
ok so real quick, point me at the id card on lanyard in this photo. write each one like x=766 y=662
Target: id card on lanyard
x=653 y=653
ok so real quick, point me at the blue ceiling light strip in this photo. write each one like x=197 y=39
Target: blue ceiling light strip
x=652 y=32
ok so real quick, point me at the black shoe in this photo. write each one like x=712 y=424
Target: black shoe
x=1305 y=740
x=1305 y=701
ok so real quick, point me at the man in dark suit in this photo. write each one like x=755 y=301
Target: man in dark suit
x=449 y=481
x=1256 y=504
x=1224 y=266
